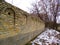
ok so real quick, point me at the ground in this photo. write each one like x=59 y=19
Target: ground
x=48 y=37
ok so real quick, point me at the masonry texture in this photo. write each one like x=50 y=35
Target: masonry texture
x=16 y=26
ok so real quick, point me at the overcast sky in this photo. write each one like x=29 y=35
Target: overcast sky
x=22 y=4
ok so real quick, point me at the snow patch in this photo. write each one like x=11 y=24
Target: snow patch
x=49 y=36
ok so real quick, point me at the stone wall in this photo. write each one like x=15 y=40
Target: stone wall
x=58 y=27
x=16 y=26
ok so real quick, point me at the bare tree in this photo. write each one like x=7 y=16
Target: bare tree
x=35 y=10
x=47 y=7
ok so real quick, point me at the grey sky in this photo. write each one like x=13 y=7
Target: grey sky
x=23 y=4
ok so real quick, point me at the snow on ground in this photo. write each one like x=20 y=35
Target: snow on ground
x=48 y=37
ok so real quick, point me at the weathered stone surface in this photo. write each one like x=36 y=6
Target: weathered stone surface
x=1 y=0
x=16 y=26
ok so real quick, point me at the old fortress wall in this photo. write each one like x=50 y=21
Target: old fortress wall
x=16 y=26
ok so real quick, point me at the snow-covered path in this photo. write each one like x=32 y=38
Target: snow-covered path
x=48 y=37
